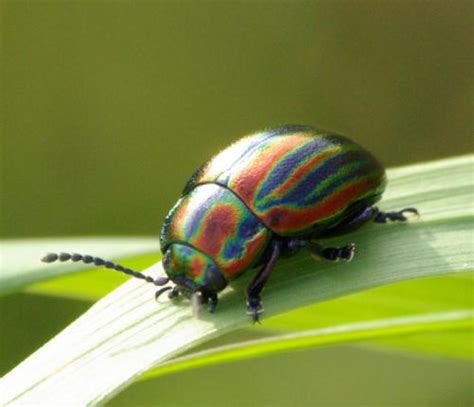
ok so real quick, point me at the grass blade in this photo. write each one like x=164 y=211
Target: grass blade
x=378 y=329
x=126 y=333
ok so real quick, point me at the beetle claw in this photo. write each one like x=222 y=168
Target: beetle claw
x=347 y=252
x=256 y=319
x=255 y=314
x=254 y=309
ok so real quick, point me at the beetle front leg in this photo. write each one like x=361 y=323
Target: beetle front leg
x=212 y=303
x=173 y=293
x=254 y=303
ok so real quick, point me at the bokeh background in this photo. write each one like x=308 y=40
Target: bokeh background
x=107 y=107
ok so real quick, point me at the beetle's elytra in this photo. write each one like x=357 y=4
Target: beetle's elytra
x=268 y=194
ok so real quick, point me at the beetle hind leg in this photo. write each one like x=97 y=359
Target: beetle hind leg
x=370 y=213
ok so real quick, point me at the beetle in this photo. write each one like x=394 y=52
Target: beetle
x=267 y=195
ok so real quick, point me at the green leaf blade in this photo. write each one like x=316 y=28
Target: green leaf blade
x=380 y=329
x=126 y=333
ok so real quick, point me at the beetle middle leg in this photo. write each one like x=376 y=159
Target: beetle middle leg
x=344 y=253
x=292 y=245
x=399 y=216
x=254 y=303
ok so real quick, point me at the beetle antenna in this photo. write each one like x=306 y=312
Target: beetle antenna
x=52 y=257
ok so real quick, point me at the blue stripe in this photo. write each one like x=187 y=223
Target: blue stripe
x=302 y=195
x=283 y=170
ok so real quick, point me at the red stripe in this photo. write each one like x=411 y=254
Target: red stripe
x=218 y=225
x=285 y=220
x=247 y=181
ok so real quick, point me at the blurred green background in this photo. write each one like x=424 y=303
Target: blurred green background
x=107 y=108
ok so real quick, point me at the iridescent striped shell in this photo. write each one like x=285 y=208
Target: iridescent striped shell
x=289 y=181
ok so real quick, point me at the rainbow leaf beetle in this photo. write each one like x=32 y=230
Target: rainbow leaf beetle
x=267 y=195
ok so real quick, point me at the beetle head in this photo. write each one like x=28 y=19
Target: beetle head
x=192 y=271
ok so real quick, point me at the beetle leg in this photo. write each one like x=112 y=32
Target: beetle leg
x=173 y=293
x=382 y=217
x=212 y=303
x=254 y=303
x=352 y=223
x=291 y=246
x=370 y=213
x=161 y=291
x=344 y=253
